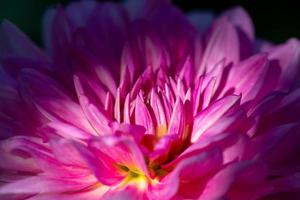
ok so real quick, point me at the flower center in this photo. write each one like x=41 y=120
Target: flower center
x=161 y=130
x=133 y=177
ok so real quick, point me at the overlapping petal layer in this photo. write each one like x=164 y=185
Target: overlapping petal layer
x=134 y=101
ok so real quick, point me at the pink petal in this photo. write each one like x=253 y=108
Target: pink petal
x=158 y=109
x=106 y=173
x=224 y=182
x=223 y=34
x=142 y=115
x=177 y=124
x=67 y=131
x=249 y=78
x=64 y=110
x=240 y=18
x=94 y=194
x=209 y=116
x=98 y=119
x=117 y=106
x=61 y=148
x=287 y=57
x=105 y=153
x=187 y=170
x=128 y=193
x=40 y=184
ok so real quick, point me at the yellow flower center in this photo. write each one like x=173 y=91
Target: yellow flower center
x=133 y=177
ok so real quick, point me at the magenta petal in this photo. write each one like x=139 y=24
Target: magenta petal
x=288 y=184
x=34 y=185
x=105 y=174
x=184 y=172
x=91 y=195
x=69 y=111
x=236 y=122
x=134 y=100
x=14 y=162
x=67 y=131
x=128 y=193
x=61 y=148
x=248 y=77
x=142 y=115
x=209 y=116
x=177 y=120
x=33 y=149
x=119 y=150
x=222 y=35
x=282 y=144
x=103 y=156
x=240 y=18
x=222 y=184
x=287 y=57
x=98 y=119
x=158 y=109
x=136 y=131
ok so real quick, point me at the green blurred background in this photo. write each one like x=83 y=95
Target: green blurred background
x=274 y=20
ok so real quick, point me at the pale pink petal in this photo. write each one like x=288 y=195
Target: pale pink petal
x=248 y=77
x=240 y=18
x=142 y=115
x=222 y=35
x=209 y=116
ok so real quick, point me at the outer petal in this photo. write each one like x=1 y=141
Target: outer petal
x=142 y=8
x=242 y=21
x=287 y=57
x=240 y=18
x=222 y=35
x=79 y=12
x=106 y=32
x=178 y=37
x=251 y=78
x=35 y=185
x=88 y=193
x=13 y=41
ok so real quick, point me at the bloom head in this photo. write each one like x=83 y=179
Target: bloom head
x=137 y=101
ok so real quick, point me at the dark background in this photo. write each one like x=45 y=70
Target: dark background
x=274 y=20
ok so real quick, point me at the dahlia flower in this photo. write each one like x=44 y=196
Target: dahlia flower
x=138 y=101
